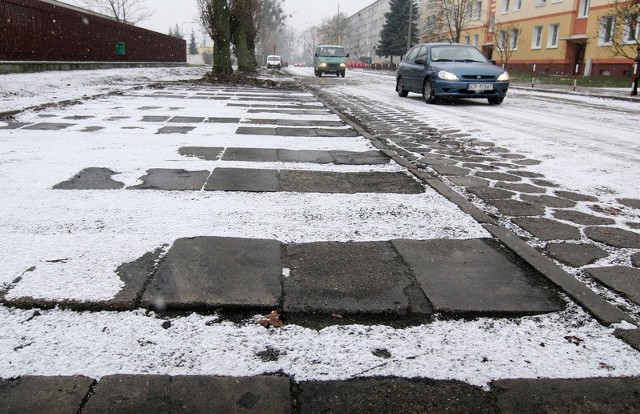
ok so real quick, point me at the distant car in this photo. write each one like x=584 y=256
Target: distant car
x=450 y=70
x=274 y=61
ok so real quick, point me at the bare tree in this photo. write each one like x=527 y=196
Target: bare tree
x=216 y=19
x=446 y=19
x=331 y=30
x=125 y=11
x=625 y=28
x=505 y=39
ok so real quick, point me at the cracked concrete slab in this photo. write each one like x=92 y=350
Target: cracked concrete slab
x=460 y=276
x=44 y=395
x=172 y=180
x=619 y=278
x=210 y=272
x=91 y=179
x=235 y=179
x=205 y=153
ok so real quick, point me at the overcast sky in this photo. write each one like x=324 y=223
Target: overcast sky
x=304 y=13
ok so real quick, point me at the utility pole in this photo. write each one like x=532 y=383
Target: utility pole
x=410 y=24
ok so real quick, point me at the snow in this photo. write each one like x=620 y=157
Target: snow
x=57 y=244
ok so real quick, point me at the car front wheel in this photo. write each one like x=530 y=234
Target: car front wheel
x=428 y=93
x=495 y=101
x=402 y=92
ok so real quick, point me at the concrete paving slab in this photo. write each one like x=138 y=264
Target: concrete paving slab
x=175 y=130
x=326 y=132
x=15 y=125
x=236 y=179
x=172 y=180
x=392 y=395
x=316 y=157
x=43 y=395
x=630 y=202
x=91 y=179
x=49 y=126
x=461 y=276
x=251 y=154
x=205 y=153
x=521 y=188
x=221 y=120
x=210 y=272
x=255 y=131
x=490 y=193
x=582 y=218
x=190 y=394
x=619 y=278
x=630 y=336
x=614 y=236
x=384 y=182
x=594 y=395
x=314 y=182
x=350 y=278
x=548 y=201
x=187 y=119
x=155 y=118
x=517 y=208
x=359 y=158
x=635 y=259
x=546 y=229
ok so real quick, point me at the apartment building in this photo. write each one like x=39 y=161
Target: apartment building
x=363 y=31
x=557 y=36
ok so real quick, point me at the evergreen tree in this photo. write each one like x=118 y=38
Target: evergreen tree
x=193 y=46
x=393 y=38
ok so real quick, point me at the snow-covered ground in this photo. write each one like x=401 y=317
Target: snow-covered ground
x=66 y=244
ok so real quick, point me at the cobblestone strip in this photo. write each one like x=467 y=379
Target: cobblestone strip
x=590 y=246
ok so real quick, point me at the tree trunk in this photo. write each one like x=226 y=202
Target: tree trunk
x=222 y=37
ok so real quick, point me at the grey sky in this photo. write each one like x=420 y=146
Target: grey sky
x=304 y=13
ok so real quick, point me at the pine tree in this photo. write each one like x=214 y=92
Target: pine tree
x=393 y=38
x=193 y=46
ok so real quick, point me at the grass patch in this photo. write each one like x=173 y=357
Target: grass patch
x=591 y=81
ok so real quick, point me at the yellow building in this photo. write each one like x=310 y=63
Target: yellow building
x=594 y=37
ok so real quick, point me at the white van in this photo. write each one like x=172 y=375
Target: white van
x=274 y=61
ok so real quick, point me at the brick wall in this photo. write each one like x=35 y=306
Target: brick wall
x=35 y=30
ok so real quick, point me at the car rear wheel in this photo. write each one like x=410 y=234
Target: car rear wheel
x=343 y=73
x=495 y=101
x=402 y=92
x=428 y=93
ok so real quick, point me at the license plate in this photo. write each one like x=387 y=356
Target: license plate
x=480 y=87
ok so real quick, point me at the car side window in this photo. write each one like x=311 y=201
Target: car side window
x=422 y=54
x=411 y=55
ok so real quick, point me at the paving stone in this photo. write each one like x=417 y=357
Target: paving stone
x=546 y=229
x=187 y=119
x=576 y=255
x=205 y=153
x=383 y=182
x=343 y=132
x=635 y=259
x=525 y=174
x=582 y=218
x=490 y=193
x=619 y=278
x=91 y=179
x=318 y=157
x=49 y=126
x=43 y=395
x=78 y=117
x=205 y=273
x=521 y=188
x=155 y=118
x=189 y=394
x=175 y=130
x=527 y=162
x=614 y=236
x=548 y=201
x=314 y=182
x=545 y=183
x=474 y=276
x=350 y=278
x=450 y=170
x=575 y=196
x=256 y=131
x=517 y=208
x=359 y=158
x=630 y=202
x=92 y=129
x=592 y=395
x=392 y=395
x=498 y=176
x=237 y=179
x=630 y=336
x=250 y=154
x=220 y=120
x=172 y=180
x=15 y=125
x=469 y=182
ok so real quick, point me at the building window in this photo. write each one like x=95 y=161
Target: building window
x=554 y=32
x=632 y=28
x=469 y=11
x=505 y=6
x=607 y=26
x=476 y=40
x=583 y=9
x=467 y=40
x=541 y=3
x=492 y=23
x=513 y=37
x=536 y=38
x=478 y=10
x=517 y=5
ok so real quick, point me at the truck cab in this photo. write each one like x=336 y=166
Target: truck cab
x=330 y=59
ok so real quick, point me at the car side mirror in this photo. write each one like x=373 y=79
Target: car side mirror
x=493 y=62
x=347 y=55
x=420 y=61
x=315 y=54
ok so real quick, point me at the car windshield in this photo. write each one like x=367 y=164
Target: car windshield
x=456 y=54
x=331 y=52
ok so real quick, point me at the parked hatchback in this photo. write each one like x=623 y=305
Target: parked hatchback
x=274 y=61
x=450 y=70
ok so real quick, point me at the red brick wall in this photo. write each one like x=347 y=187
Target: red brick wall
x=35 y=30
